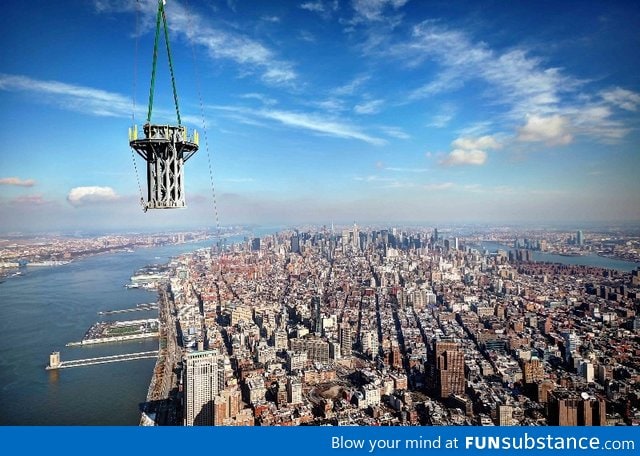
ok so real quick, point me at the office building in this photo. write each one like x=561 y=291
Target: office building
x=204 y=381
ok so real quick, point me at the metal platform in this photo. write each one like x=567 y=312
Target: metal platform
x=165 y=148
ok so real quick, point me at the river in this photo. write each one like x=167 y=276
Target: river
x=47 y=307
x=583 y=260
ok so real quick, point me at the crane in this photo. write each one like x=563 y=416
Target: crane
x=164 y=147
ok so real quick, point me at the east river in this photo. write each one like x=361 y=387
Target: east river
x=46 y=307
x=591 y=259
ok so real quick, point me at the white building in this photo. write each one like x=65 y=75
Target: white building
x=204 y=381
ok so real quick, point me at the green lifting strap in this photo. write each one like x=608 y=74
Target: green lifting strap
x=161 y=14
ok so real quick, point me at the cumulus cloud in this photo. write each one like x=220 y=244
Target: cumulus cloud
x=465 y=157
x=470 y=151
x=79 y=196
x=484 y=142
x=552 y=130
x=17 y=181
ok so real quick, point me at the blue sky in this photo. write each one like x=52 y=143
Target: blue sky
x=320 y=111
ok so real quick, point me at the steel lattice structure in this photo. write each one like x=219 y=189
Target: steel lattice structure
x=165 y=148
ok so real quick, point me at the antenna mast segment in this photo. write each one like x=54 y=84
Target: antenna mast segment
x=165 y=148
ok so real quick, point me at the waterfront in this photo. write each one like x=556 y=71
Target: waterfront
x=582 y=260
x=45 y=308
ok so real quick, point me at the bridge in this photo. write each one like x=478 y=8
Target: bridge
x=56 y=363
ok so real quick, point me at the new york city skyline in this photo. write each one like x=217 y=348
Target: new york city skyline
x=321 y=111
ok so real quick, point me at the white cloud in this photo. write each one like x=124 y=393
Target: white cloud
x=484 y=142
x=369 y=107
x=79 y=196
x=407 y=170
x=441 y=120
x=515 y=78
x=68 y=96
x=622 y=98
x=247 y=52
x=440 y=186
x=17 y=181
x=307 y=121
x=372 y=10
x=553 y=130
x=522 y=82
x=351 y=87
x=331 y=105
x=321 y=125
x=395 y=132
x=316 y=7
x=273 y=19
x=373 y=178
x=465 y=157
x=260 y=97
x=469 y=151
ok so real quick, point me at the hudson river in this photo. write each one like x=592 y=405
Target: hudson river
x=47 y=307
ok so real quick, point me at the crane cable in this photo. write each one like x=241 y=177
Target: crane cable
x=206 y=138
x=162 y=15
x=133 y=112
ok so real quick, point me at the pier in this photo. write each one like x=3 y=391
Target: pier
x=104 y=340
x=56 y=363
x=119 y=331
x=139 y=308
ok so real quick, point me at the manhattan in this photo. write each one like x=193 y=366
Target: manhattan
x=396 y=326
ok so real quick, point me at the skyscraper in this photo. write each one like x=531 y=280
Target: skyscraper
x=295 y=243
x=345 y=339
x=449 y=368
x=204 y=381
x=317 y=313
x=579 y=238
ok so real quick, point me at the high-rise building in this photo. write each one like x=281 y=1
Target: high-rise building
x=204 y=381
x=571 y=344
x=317 y=314
x=568 y=408
x=449 y=368
x=579 y=238
x=346 y=341
x=255 y=244
x=294 y=390
x=295 y=243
